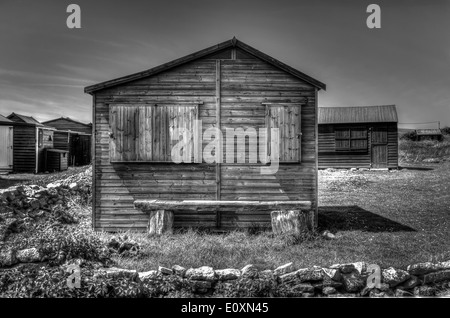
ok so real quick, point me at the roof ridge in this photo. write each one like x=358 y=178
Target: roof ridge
x=202 y=53
x=66 y=118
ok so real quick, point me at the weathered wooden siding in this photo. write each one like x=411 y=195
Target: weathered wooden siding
x=24 y=149
x=78 y=147
x=80 y=150
x=56 y=161
x=245 y=85
x=392 y=145
x=330 y=158
x=61 y=140
x=47 y=142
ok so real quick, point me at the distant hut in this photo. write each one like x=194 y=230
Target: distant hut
x=6 y=144
x=74 y=137
x=429 y=134
x=30 y=139
x=66 y=123
x=358 y=137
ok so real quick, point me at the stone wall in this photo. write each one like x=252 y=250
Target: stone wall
x=30 y=202
x=338 y=280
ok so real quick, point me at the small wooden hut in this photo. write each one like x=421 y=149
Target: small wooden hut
x=30 y=140
x=429 y=134
x=358 y=137
x=74 y=137
x=229 y=85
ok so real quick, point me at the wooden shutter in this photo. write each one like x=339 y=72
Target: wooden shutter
x=358 y=138
x=143 y=133
x=342 y=136
x=183 y=117
x=287 y=119
x=349 y=139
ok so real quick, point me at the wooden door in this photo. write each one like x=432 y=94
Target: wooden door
x=379 y=147
x=6 y=146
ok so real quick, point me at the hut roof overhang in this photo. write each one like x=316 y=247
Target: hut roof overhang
x=4 y=120
x=27 y=121
x=358 y=114
x=202 y=53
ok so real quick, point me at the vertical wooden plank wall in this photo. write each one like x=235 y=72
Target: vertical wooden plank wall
x=245 y=84
x=218 y=125
x=47 y=142
x=24 y=149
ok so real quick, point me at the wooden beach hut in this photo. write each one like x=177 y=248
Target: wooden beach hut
x=230 y=85
x=358 y=137
x=74 y=137
x=31 y=138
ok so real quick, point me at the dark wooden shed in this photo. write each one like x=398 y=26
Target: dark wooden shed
x=30 y=139
x=74 y=137
x=429 y=134
x=66 y=123
x=358 y=137
x=56 y=159
x=228 y=86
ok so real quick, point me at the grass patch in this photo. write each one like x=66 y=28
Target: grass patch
x=235 y=249
x=416 y=151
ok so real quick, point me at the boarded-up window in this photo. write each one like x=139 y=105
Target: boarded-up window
x=285 y=117
x=349 y=139
x=145 y=133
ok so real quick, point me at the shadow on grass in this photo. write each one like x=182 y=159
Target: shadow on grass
x=350 y=218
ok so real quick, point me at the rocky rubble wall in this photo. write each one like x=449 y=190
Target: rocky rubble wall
x=22 y=203
x=338 y=280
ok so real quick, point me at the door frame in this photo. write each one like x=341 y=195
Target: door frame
x=372 y=144
x=8 y=154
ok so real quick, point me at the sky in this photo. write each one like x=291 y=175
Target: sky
x=44 y=65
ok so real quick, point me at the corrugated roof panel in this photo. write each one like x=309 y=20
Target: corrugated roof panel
x=3 y=119
x=358 y=114
x=28 y=119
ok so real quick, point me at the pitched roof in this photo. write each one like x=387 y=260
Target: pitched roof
x=69 y=119
x=3 y=119
x=24 y=119
x=427 y=132
x=210 y=50
x=28 y=120
x=358 y=114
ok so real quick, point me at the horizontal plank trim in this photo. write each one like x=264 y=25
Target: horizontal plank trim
x=148 y=205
